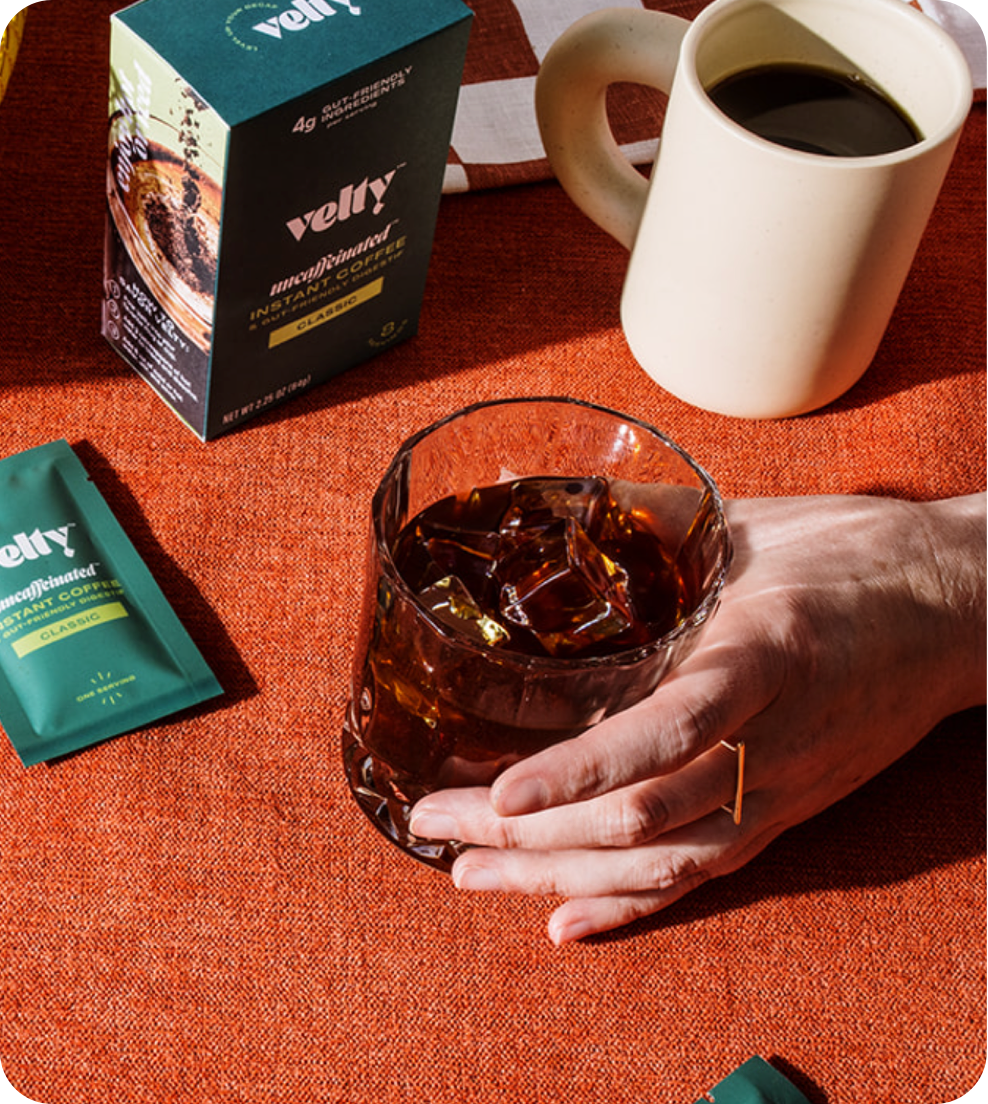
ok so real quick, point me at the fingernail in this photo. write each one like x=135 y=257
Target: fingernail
x=428 y=825
x=526 y=796
x=476 y=877
x=560 y=932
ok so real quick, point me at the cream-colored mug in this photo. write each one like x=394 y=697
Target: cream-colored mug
x=762 y=277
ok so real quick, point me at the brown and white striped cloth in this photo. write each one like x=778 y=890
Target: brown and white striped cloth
x=495 y=137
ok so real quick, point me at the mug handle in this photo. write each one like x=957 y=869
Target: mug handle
x=602 y=48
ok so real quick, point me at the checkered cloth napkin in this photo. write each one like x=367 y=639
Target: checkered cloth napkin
x=495 y=137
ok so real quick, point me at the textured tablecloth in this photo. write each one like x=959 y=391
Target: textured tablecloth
x=197 y=912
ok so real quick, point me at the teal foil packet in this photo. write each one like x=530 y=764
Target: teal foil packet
x=754 y=1082
x=89 y=646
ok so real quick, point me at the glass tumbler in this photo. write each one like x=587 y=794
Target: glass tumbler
x=434 y=705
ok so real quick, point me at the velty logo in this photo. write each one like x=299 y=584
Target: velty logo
x=33 y=546
x=352 y=200
x=302 y=14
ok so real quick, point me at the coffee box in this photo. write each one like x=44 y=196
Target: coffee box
x=273 y=179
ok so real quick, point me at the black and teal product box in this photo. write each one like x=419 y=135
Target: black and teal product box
x=274 y=174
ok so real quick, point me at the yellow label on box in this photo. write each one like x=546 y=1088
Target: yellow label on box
x=326 y=314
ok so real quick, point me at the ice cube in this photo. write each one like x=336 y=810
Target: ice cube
x=453 y=604
x=437 y=551
x=537 y=503
x=557 y=583
x=468 y=555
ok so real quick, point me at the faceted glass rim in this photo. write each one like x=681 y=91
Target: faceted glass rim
x=631 y=655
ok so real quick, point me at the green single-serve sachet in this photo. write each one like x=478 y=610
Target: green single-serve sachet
x=754 y=1082
x=89 y=646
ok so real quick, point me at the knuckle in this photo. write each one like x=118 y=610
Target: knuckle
x=523 y=833
x=642 y=816
x=499 y=833
x=523 y=875
x=669 y=869
x=587 y=774
x=543 y=883
x=692 y=730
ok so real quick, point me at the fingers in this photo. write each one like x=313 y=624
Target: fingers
x=683 y=856
x=610 y=888
x=632 y=816
x=707 y=700
x=627 y=817
x=587 y=916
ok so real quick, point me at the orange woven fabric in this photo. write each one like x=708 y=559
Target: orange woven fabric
x=197 y=912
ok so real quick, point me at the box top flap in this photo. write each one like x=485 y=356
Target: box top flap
x=244 y=57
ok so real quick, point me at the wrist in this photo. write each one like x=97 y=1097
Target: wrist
x=956 y=532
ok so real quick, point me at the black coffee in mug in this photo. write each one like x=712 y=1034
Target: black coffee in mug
x=814 y=109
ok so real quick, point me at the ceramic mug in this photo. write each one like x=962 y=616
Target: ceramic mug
x=762 y=277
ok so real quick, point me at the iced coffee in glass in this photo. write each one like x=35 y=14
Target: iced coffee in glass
x=534 y=565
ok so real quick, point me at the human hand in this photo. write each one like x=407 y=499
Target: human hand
x=849 y=627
